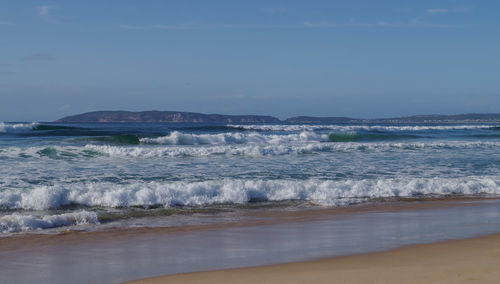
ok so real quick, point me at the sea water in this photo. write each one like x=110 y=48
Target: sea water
x=53 y=176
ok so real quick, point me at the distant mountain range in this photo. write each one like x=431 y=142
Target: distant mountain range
x=192 y=117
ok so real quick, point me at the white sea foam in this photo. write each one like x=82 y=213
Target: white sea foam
x=282 y=149
x=179 y=138
x=325 y=192
x=52 y=152
x=348 y=128
x=190 y=151
x=251 y=149
x=8 y=126
x=18 y=222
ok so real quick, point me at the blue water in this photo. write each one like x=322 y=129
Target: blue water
x=55 y=175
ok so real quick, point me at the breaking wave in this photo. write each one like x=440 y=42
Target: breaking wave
x=179 y=138
x=169 y=194
x=348 y=128
x=123 y=139
x=277 y=150
x=16 y=127
x=190 y=151
x=17 y=222
x=46 y=127
x=252 y=150
x=9 y=127
x=353 y=137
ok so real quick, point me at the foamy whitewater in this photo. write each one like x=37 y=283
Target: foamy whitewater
x=54 y=177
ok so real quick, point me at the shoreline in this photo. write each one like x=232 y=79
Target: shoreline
x=272 y=237
x=250 y=218
x=454 y=261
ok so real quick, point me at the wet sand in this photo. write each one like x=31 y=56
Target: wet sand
x=250 y=218
x=269 y=237
x=464 y=261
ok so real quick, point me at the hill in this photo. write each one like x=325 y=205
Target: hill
x=164 y=117
x=192 y=117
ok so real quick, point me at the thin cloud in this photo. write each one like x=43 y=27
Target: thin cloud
x=6 y=23
x=131 y=27
x=402 y=10
x=413 y=23
x=334 y=25
x=64 y=107
x=274 y=10
x=40 y=57
x=457 y=9
x=437 y=11
x=193 y=26
x=45 y=10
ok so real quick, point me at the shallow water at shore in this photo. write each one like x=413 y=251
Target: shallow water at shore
x=113 y=257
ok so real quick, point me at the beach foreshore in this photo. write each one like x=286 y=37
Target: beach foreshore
x=251 y=218
x=473 y=260
x=345 y=245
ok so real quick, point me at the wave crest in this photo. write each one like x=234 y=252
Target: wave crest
x=348 y=128
x=179 y=138
x=168 y=194
x=18 y=222
x=251 y=150
x=16 y=127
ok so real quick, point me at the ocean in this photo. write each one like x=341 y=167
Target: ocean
x=90 y=177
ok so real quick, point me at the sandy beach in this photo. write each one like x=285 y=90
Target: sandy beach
x=387 y=242
x=248 y=218
x=462 y=261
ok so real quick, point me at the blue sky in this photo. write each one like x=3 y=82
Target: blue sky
x=283 y=58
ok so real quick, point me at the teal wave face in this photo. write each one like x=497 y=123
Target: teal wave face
x=48 y=152
x=56 y=154
x=123 y=139
x=46 y=127
x=344 y=137
x=356 y=137
x=212 y=128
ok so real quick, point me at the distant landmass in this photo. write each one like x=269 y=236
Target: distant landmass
x=315 y=120
x=165 y=117
x=433 y=118
x=438 y=118
x=192 y=117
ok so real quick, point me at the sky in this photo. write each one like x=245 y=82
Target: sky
x=357 y=58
